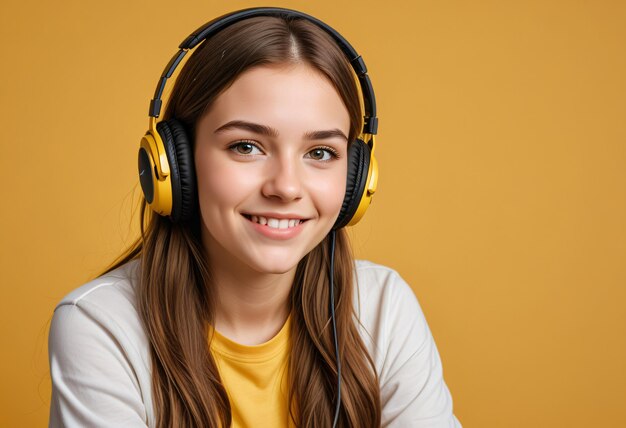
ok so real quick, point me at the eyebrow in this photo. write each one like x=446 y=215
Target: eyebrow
x=271 y=132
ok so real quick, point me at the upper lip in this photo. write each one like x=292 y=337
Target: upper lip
x=278 y=215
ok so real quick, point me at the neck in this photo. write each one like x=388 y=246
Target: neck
x=251 y=307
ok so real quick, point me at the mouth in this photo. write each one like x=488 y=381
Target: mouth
x=275 y=223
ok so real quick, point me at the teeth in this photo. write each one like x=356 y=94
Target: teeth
x=275 y=223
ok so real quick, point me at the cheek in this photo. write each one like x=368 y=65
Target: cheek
x=328 y=191
x=220 y=186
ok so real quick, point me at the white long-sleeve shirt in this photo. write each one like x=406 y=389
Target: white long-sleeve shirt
x=100 y=361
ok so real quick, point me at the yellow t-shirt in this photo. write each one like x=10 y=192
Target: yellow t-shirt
x=255 y=378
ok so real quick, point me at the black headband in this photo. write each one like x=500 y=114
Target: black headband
x=209 y=29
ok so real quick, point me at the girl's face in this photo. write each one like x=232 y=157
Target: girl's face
x=270 y=158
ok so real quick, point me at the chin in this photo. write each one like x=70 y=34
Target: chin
x=278 y=268
x=273 y=260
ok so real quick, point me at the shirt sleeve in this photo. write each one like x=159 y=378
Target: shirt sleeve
x=93 y=383
x=413 y=392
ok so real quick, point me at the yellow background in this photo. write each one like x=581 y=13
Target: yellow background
x=502 y=196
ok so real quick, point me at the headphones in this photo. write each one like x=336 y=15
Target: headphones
x=166 y=167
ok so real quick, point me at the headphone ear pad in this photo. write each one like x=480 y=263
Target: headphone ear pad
x=358 y=167
x=182 y=172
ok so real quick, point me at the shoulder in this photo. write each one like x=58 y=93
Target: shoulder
x=388 y=313
x=397 y=336
x=379 y=279
x=385 y=305
x=381 y=291
x=116 y=286
x=104 y=308
x=99 y=355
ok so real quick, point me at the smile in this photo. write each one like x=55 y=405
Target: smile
x=275 y=223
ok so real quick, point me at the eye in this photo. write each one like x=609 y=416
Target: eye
x=245 y=148
x=323 y=154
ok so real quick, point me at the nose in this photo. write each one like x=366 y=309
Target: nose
x=283 y=179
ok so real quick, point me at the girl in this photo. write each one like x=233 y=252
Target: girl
x=241 y=305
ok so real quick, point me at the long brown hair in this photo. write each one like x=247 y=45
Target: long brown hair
x=174 y=289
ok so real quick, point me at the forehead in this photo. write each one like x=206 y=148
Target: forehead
x=290 y=98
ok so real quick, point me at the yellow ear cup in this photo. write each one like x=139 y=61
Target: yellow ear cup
x=154 y=171
x=370 y=187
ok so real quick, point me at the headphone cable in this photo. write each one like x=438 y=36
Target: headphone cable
x=332 y=315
